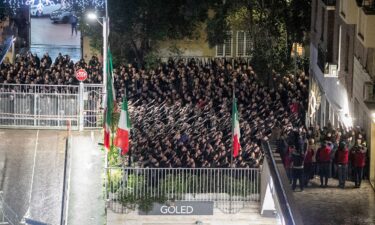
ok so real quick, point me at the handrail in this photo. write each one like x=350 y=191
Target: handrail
x=65 y=191
x=280 y=190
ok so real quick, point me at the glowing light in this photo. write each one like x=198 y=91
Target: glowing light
x=92 y=16
x=40 y=6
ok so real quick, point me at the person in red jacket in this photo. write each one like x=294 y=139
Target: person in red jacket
x=308 y=164
x=342 y=159
x=288 y=162
x=359 y=159
x=324 y=160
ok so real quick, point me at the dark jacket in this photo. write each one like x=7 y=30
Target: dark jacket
x=297 y=159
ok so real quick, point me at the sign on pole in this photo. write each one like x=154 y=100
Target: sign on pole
x=81 y=75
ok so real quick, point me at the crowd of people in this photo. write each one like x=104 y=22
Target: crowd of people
x=30 y=69
x=181 y=115
x=328 y=153
x=181 y=111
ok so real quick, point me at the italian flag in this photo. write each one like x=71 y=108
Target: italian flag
x=123 y=130
x=109 y=106
x=236 y=129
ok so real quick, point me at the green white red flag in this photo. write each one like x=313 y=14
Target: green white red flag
x=123 y=129
x=236 y=129
x=109 y=105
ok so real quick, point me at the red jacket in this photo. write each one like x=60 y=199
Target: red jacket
x=359 y=159
x=324 y=154
x=288 y=158
x=294 y=107
x=309 y=156
x=342 y=156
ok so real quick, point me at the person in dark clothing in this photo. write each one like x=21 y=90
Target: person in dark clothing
x=297 y=165
x=73 y=21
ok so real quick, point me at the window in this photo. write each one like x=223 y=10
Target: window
x=347 y=52
x=315 y=13
x=243 y=43
x=225 y=49
x=326 y=118
x=322 y=24
x=338 y=58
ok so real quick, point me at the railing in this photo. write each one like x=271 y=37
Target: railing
x=50 y=106
x=229 y=189
x=286 y=211
x=206 y=60
x=66 y=180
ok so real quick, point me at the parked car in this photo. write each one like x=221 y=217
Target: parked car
x=44 y=10
x=61 y=15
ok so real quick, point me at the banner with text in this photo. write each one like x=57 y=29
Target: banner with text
x=181 y=208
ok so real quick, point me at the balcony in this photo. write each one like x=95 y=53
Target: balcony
x=329 y=2
x=365 y=28
x=349 y=11
x=328 y=69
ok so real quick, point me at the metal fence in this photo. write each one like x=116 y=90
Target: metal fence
x=206 y=60
x=50 y=106
x=230 y=189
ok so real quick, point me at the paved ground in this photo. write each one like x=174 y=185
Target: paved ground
x=32 y=176
x=335 y=206
x=86 y=202
x=54 y=38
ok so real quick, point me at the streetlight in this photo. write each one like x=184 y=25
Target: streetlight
x=105 y=25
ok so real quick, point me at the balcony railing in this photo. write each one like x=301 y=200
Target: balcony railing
x=329 y=2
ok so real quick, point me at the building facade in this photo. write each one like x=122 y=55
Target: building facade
x=342 y=67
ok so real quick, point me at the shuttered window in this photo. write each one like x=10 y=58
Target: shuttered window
x=225 y=50
x=243 y=43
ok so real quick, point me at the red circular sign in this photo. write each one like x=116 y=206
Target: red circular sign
x=81 y=75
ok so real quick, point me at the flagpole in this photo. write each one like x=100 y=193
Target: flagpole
x=231 y=155
x=233 y=102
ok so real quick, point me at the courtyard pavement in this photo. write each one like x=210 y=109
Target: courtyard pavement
x=86 y=203
x=336 y=206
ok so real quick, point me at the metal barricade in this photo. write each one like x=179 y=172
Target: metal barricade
x=49 y=106
x=231 y=189
x=92 y=106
